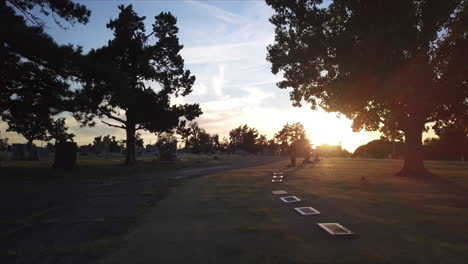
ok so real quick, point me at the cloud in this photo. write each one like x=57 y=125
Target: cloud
x=219 y=13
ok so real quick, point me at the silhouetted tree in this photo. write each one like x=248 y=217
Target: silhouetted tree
x=244 y=138
x=378 y=62
x=3 y=144
x=201 y=141
x=34 y=70
x=139 y=142
x=140 y=71
x=34 y=127
x=273 y=146
x=184 y=131
x=293 y=140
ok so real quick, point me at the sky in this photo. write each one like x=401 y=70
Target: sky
x=225 y=48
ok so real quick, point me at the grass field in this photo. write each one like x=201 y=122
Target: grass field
x=94 y=166
x=232 y=217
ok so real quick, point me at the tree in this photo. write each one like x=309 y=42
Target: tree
x=244 y=138
x=3 y=144
x=34 y=70
x=380 y=63
x=139 y=142
x=185 y=131
x=35 y=127
x=139 y=73
x=452 y=143
x=201 y=141
x=293 y=140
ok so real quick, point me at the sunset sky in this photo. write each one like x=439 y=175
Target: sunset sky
x=225 y=48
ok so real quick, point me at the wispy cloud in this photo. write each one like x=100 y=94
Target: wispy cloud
x=219 y=13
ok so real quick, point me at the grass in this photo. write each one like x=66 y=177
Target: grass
x=232 y=217
x=94 y=166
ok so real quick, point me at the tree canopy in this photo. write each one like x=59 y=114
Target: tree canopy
x=136 y=74
x=35 y=72
x=388 y=65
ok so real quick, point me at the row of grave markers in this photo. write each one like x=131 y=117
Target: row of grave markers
x=334 y=229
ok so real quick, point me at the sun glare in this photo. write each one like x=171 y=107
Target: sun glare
x=328 y=128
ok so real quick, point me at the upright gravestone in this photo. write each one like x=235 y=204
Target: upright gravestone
x=65 y=155
x=18 y=151
x=174 y=150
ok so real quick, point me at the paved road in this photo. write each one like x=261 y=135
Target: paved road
x=60 y=220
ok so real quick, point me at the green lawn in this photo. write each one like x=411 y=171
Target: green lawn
x=232 y=217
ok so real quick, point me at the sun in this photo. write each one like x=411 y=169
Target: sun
x=329 y=128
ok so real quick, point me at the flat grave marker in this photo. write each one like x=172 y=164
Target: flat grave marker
x=307 y=211
x=279 y=192
x=335 y=229
x=277 y=176
x=290 y=199
x=277 y=180
x=278 y=173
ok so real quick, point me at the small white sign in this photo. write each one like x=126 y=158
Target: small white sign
x=277 y=176
x=277 y=180
x=279 y=192
x=307 y=211
x=335 y=229
x=290 y=199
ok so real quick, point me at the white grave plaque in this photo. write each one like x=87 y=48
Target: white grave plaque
x=290 y=199
x=277 y=180
x=277 y=176
x=336 y=229
x=279 y=192
x=306 y=211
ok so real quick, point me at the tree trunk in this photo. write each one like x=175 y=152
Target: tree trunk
x=130 y=153
x=414 y=165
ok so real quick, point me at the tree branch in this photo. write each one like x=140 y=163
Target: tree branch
x=109 y=115
x=112 y=125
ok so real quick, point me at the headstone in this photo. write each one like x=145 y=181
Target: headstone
x=18 y=151
x=277 y=176
x=43 y=153
x=32 y=153
x=277 y=180
x=290 y=199
x=335 y=229
x=65 y=155
x=174 y=149
x=306 y=211
x=279 y=192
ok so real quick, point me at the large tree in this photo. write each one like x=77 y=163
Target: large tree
x=389 y=65
x=35 y=72
x=135 y=75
